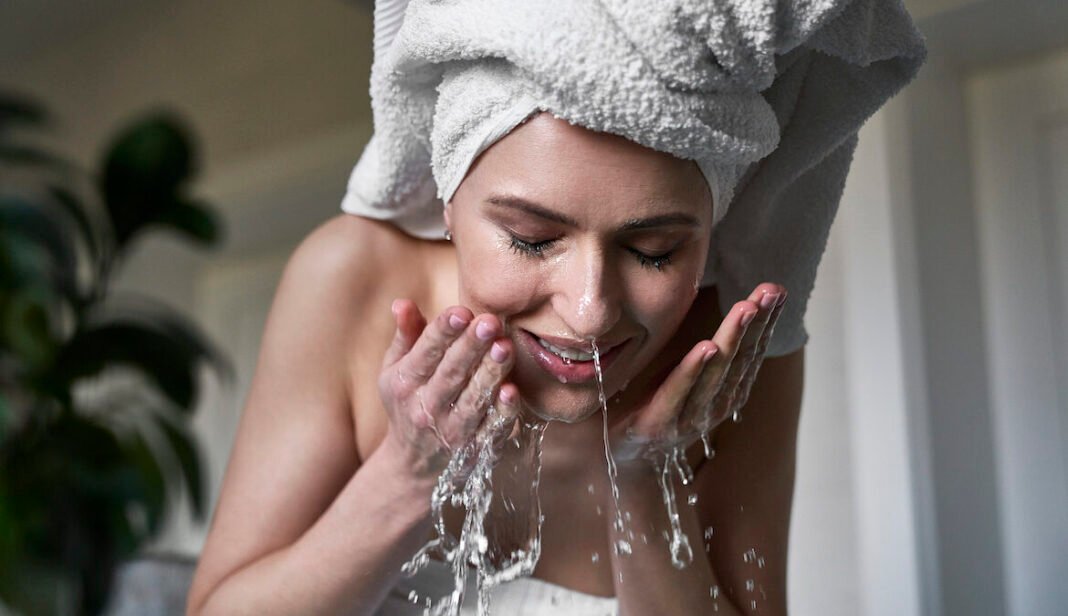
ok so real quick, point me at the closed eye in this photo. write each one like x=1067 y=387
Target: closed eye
x=536 y=249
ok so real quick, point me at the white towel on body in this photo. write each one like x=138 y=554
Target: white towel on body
x=766 y=96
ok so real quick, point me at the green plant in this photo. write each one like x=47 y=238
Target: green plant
x=96 y=390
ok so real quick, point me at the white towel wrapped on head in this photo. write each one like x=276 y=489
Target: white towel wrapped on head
x=766 y=96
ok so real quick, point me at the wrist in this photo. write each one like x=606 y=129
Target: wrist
x=403 y=466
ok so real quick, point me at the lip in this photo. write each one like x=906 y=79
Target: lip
x=574 y=372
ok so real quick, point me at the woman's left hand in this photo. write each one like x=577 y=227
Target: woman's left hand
x=710 y=384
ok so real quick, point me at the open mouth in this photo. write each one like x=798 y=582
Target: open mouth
x=567 y=365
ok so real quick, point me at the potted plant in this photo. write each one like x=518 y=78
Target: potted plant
x=97 y=390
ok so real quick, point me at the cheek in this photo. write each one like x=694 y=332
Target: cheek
x=661 y=302
x=489 y=278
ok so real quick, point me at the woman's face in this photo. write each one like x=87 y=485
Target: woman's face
x=574 y=237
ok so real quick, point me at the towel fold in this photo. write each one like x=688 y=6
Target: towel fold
x=767 y=96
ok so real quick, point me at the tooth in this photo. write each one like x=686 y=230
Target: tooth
x=566 y=353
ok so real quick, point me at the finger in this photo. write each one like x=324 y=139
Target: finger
x=663 y=409
x=753 y=369
x=461 y=360
x=480 y=390
x=504 y=424
x=767 y=299
x=409 y=323
x=700 y=403
x=425 y=355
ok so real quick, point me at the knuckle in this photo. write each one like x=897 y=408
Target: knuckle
x=452 y=373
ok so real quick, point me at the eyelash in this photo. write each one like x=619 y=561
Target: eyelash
x=535 y=249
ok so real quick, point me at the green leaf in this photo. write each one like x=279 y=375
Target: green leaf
x=142 y=309
x=193 y=220
x=143 y=172
x=145 y=491
x=26 y=328
x=79 y=215
x=169 y=361
x=185 y=449
x=46 y=226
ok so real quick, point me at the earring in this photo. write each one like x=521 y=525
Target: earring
x=448 y=235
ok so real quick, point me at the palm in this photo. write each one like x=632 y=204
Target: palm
x=695 y=383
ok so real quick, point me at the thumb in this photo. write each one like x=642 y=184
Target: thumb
x=409 y=325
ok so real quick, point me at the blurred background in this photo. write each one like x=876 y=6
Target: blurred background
x=932 y=469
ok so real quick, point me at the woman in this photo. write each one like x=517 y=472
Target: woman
x=562 y=236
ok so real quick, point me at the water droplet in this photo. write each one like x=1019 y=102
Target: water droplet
x=681 y=552
x=736 y=416
x=749 y=556
x=760 y=562
x=589 y=488
x=706 y=440
x=691 y=500
x=714 y=592
x=466 y=483
x=562 y=378
x=413 y=597
x=595 y=557
x=749 y=585
x=752 y=604
x=599 y=510
x=708 y=533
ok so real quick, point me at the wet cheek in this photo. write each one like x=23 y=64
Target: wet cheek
x=491 y=282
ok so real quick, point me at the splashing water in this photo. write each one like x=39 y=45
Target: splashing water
x=622 y=546
x=681 y=552
x=489 y=524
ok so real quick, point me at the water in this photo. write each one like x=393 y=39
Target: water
x=622 y=545
x=679 y=543
x=490 y=525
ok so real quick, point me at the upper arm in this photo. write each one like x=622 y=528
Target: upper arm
x=294 y=449
x=749 y=487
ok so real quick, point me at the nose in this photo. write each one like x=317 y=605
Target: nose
x=588 y=297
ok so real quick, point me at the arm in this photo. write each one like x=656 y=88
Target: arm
x=300 y=526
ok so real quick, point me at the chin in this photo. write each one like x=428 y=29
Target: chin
x=567 y=406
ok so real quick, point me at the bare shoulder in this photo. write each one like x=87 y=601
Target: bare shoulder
x=295 y=446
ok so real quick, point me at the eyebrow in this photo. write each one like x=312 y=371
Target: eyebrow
x=534 y=209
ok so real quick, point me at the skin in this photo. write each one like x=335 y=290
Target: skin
x=346 y=429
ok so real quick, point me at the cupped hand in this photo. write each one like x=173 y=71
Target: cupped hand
x=438 y=383
x=710 y=383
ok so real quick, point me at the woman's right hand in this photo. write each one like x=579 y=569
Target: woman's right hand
x=438 y=382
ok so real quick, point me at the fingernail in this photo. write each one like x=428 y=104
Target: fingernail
x=506 y=396
x=498 y=352
x=770 y=300
x=782 y=299
x=709 y=355
x=457 y=323
x=748 y=318
x=394 y=307
x=485 y=331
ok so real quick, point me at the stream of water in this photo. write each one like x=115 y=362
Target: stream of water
x=500 y=537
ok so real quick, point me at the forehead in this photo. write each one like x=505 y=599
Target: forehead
x=573 y=169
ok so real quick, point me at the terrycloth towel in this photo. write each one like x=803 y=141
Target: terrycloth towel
x=767 y=96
